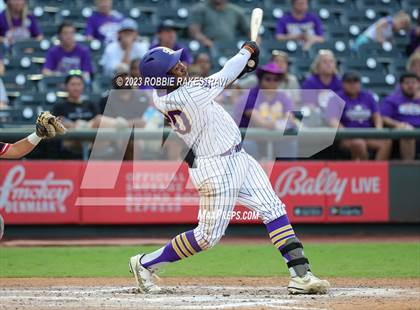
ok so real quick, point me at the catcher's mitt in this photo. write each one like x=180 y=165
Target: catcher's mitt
x=48 y=126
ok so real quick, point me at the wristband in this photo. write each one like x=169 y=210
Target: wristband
x=34 y=139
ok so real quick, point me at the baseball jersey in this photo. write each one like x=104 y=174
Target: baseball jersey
x=197 y=118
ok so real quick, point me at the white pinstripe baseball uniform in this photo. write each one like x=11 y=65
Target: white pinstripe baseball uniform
x=210 y=131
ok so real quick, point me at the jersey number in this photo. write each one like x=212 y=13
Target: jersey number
x=179 y=121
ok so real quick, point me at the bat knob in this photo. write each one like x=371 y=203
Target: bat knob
x=251 y=63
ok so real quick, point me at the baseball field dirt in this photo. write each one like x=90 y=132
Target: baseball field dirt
x=204 y=293
x=369 y=274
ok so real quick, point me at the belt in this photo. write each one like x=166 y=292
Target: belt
x=233 y=149
x=190 y=158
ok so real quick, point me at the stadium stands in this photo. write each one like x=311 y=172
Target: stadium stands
x=379 y=64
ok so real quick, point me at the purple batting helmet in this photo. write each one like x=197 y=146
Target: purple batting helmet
x=158 y=61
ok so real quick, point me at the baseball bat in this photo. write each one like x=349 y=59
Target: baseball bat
x=256 y=19
x=255 y=24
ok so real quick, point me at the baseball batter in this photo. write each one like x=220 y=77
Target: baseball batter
x=221 y=170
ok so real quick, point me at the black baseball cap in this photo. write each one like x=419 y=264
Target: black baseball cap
x=167 y=24
x=351 y=76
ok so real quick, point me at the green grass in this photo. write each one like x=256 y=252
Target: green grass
x=332 y=259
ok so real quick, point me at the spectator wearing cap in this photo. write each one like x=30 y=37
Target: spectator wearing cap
x=167 y=37
x=300 y=25
x=288 y=81
x=383 y=29
x=401 y=110
x=216 y=21
x=265 y=106
x=360 y=111
x=68 y=55
x=118 y=54
x=104 y=22
x=17 y=23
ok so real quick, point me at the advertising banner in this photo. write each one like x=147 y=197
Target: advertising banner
x=152 y=192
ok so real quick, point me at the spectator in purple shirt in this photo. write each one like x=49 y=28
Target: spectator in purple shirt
x=17 y=23
x=360 y=111
x=401 y=110
x=316 y=89
x=324 y=73
x=104 y=23
x=167 y=36
x=300 y=25
x=68 y=55
x=265 y=106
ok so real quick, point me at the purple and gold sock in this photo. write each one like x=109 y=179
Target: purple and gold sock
x=182 y=246
x=284 y=239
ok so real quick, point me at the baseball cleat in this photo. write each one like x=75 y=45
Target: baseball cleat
x=308 y=284
x=142 y=275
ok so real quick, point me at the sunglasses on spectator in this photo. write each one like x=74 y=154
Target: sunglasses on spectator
x=271 y=78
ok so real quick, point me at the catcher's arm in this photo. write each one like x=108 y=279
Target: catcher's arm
x=16 y=150
x=47 y=126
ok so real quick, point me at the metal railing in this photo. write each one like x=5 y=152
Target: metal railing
x=269 y=136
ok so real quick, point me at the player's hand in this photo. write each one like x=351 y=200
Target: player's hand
x=48 y=126
x=252 y=47
x=252 y=63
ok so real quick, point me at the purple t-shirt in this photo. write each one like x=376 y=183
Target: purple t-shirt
x=310 y=23
x=274 y=108
x=313 y=82
x=401 y=108
x=185 y=55
x=358 y=111
x=22 y=30
x=104 y=27
x=61 y=61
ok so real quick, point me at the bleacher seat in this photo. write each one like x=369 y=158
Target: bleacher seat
x=380 y=7
x=363 y=65
x=22 y=65
x=73 y=15
x=290 y=47
x=339 y=48
x=29 y=98
x=51 y=83
x=30 y=48
x=249 y=4
x=397 y=67
x=49 y=29
x=101 y=84
x=300 y=66
x=382 y=52
x=355 y=21
x=16 y=81
x=409 y=5
x=375 y=79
